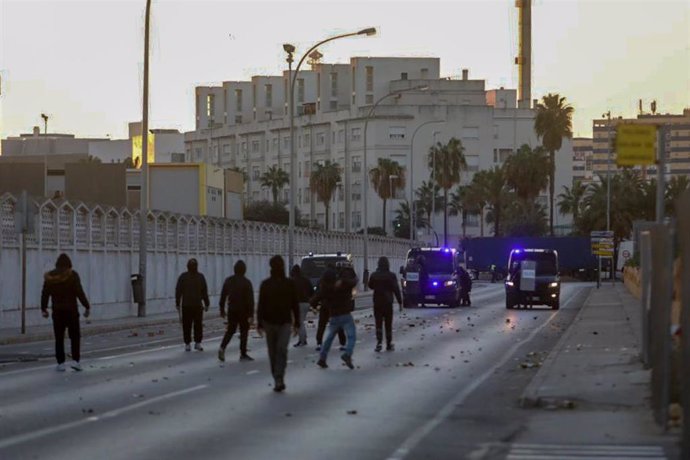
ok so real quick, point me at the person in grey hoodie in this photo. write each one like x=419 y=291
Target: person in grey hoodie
x=385 y=286
x=63 y=287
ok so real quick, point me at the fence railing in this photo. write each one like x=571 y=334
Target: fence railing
x=104 y=241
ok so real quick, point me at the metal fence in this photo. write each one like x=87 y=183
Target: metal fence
x=103 y=243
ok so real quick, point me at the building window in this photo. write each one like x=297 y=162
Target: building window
x=356 y=191
x=286 y=193
x=396 y=132
x=472 y=220
x=275 y=143
x=307 y=168
x=470 y=132
x=255 y=196
x=403 y=76
x=321 y=219
x=356 y=134
x=268 y=145
x=299 y=196
x=588 y=163
x=356 y=164
x=254 y=96
x=356 y=219
x=210 y=105
x=269 y=95
x=307 y=195
x=226 y=149
x=341 y=136
x=197 y=153
x=320 y=138
x=333 y=106
x=369 y=99
x=370 y=78
x=341 y=219
x=238 y=119
x=424 y=74
x=238 y=100
x=307 y=140
x=334 y=84
x=256 y=173
x=255 y=146
x=244 y=146
x=300 y=90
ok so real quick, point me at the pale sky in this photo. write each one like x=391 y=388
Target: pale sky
x=80 y=62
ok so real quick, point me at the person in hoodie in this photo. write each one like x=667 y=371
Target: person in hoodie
x=278 y=310
x=304 y=293
x=63 y=287
x=324 y=317
x=335 y=294
x=190 y=292
x=238 y=292
x=385 y=286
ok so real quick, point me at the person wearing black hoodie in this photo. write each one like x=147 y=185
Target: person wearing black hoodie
x=385 y=286
x=278 y=310
x=238 y=292
x=304 y=293
x=63 y=287
x=190 y=292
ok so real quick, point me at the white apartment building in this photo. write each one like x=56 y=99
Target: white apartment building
x=245 y=125
x=583 y=154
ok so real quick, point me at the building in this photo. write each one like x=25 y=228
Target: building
x=677 y=142
x=332 y=100
x=583 y=152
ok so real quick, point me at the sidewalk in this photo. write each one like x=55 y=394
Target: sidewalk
x=45 y=332
x=593 y=388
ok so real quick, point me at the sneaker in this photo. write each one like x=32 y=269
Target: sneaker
x=378 y=347
x=187 y=347
x=322 y=364
x=347 y=359
x=300 y=344
x=318 y=347
x=60 y=367
x=198 y=347
x=390 y=347
x=246 y=357
x=221 y=355
x=76 y=366
x=279 y=386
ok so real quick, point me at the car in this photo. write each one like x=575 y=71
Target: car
x=442 y=285
x=314 y=265
x=533 y=277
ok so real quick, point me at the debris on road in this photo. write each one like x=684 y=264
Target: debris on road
x=352 y=412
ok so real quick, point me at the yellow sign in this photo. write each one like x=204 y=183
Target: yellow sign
x=137 y=143
x=635 y=145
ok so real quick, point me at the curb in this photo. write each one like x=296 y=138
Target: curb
x=530 y=396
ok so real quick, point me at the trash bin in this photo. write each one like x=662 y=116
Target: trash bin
x=138 y=288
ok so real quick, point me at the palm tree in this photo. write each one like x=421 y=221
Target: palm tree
x=527 y=172
x=446 y=163
x=323 y=181
x=570 y=201
x=428 y=199
x=386 y=178
x=402 y=220
x=460 y=206
x=492 y=184
x=475 y=202
x=275 y=179
x=552 y=123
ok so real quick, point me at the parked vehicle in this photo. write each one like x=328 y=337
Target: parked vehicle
x=533 y=278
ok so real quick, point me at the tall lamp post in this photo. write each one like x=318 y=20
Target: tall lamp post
x=608 y=171
x=413 y=214
x=365 y=168
x=292 y=77
x=143 y=194
x=391 y=178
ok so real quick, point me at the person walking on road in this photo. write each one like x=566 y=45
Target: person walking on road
x=335 y=294
x=324 y=317
x=465 y=287
x=191 y=291
x=304 y=293
x=63 y=287
x=238 y=295
x=278 y=310
x=385 y=286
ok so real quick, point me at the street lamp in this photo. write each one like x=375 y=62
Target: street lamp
x=391 y=178
x=433 y=183
x=413 y=215
x=608 y=171
x=292 y=78
x=365 y=169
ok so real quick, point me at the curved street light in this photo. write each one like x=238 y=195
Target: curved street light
x=413 y=214
x=290 y=50
x=365 y=169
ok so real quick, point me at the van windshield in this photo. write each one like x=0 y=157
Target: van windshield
x=436 y=262
x=315 y=267
x=547 y=263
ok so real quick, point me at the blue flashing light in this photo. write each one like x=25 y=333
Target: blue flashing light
x=518 y=251
x=435 y=283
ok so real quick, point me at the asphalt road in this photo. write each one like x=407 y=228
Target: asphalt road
x=448 y=391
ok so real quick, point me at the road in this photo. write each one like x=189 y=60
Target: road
x=448 y=391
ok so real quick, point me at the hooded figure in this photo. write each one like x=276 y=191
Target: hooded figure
x=191 y=291
x=62 y=286
x=385 y=286
x=304 y=293
x=238 y=295
x=278 y=310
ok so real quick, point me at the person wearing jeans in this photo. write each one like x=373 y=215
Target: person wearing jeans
x=335 y=294
x=278 y=310
x=190 y=292
x=304 y=292
x=63 y=287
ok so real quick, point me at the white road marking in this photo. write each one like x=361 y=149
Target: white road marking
x=253 y=372
x=420 y=433
x=21 y=438
x=581 y=452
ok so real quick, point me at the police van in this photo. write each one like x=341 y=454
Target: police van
x=315 y=265
x=431 y=277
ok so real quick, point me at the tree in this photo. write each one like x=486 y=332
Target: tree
x=401 y=223
x=446 y=163
x=459 y=205
x=523 y=218
x=492 y=185
x=674 y=189
x=475 y=202
x=552 y=123
x=276 y=213
x=427 y=194
x=275 y=179
x=527 y=172
x=128 y=162
x=386 y=178
x=570 y=201
x=324 y=181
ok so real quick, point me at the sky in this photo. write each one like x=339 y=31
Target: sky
x=81 y=62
